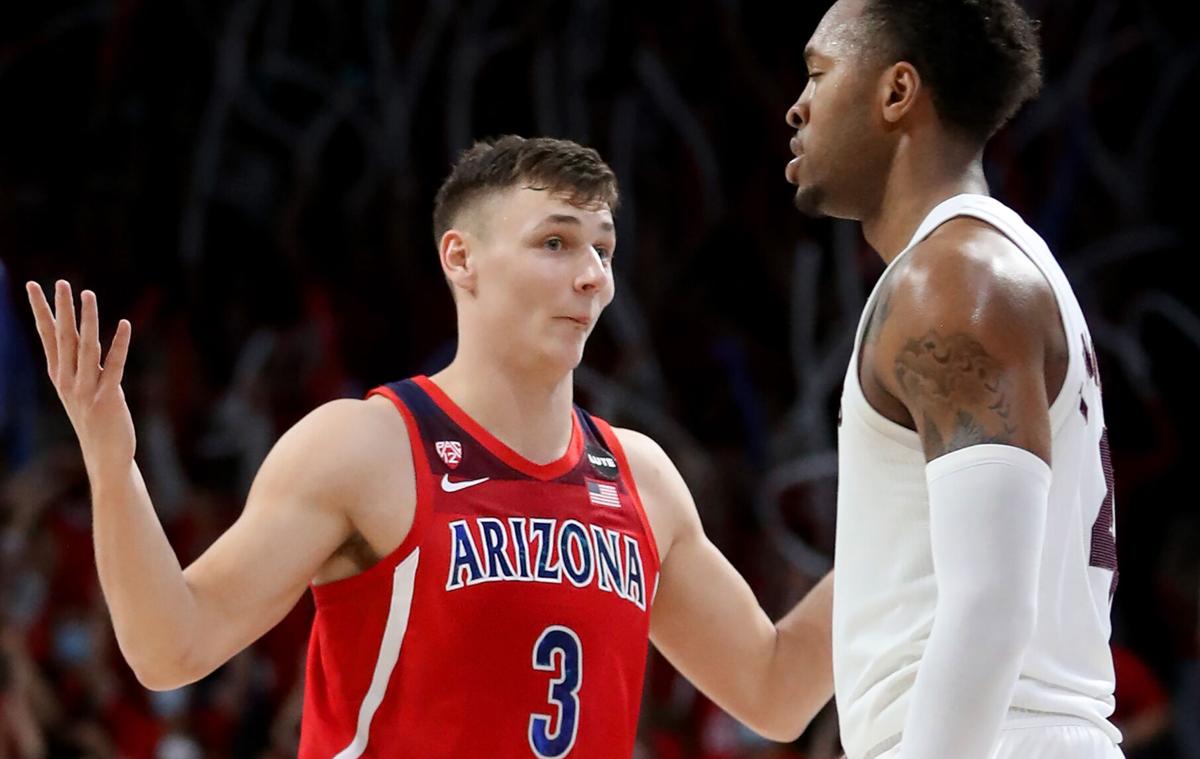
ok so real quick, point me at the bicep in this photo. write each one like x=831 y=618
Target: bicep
x=295 y=518
x=963 y=346
x=253 y=574
x=970 y=386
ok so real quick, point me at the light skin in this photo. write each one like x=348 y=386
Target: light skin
x=531 y=274
x=965 y=345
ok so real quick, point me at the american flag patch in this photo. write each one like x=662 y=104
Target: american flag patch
x=602 y=493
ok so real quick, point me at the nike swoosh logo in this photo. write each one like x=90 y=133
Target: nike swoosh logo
x=450 y=486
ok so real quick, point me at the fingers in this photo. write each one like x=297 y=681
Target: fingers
x=68 y=337
x=89 y=341
x=114 y=363
x=73 y=357
x=45 y=325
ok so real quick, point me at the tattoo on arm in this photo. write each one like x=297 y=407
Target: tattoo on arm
x=958 y=390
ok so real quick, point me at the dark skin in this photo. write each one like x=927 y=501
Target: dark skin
x=965 y=345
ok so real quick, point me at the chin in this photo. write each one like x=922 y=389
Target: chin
x=561 y=358
x=810 y=201
x=814 y=202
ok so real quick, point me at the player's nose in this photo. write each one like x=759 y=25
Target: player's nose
x=593 y=274
x=797 y=115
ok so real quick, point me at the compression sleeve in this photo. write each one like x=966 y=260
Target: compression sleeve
x=987 y=513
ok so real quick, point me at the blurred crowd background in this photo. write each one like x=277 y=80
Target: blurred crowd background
x=250 y=182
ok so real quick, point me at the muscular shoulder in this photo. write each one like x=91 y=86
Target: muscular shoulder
x=340 y=448
x=664 y=494
x=647 y=459
x=965 y=335
x=967 y=273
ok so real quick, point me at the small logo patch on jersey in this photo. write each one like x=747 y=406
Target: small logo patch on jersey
x=450 y=486
x=603 y=462
x=450 y=451
x=602 y=493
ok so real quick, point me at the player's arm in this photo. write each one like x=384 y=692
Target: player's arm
x=175 y=626
x=774 y=677
x=299 y=512
x=962 y=347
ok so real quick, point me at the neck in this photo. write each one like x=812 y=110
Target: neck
x=920 y=179
x=526 y=409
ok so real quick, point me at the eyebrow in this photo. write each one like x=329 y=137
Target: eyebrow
x=563 y=218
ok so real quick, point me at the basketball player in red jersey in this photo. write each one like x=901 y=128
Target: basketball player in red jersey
x=487 y=559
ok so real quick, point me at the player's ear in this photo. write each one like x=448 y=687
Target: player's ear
x=457 y=263
x=899 y=87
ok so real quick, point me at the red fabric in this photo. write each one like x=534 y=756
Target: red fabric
x=465 y=683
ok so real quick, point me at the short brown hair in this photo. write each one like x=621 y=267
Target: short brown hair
x=543 y=163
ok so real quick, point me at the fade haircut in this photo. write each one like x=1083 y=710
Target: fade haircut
x=981 y=58
x=540 y=163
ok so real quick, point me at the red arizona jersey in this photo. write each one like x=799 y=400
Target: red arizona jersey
x=514 y=619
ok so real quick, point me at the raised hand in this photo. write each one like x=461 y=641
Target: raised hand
x=90 y=392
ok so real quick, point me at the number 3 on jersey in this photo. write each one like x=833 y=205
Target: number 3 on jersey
x=557 y=650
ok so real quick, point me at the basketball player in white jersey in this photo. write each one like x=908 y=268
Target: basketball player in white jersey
x=975 y=550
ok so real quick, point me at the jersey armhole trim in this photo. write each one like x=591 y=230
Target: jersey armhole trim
x=381 y=571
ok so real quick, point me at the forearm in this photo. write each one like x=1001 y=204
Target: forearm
x=987 y=507
x=800 y=675
x=966 y=680
x=149 y=601
x=152 y=608
x=771 y=677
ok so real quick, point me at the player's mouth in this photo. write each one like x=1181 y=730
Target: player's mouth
x=793 y=167
x=794 y=164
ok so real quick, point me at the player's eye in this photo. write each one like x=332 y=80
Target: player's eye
x=554 y=244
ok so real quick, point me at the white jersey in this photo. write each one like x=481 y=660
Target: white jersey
x=885 y=594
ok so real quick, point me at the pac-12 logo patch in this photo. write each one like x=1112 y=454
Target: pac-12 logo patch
x=603 y=462
x=450 y=451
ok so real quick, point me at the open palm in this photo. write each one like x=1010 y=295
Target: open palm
x=90 y=392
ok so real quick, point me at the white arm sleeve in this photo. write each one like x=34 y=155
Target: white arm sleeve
x=987 y=516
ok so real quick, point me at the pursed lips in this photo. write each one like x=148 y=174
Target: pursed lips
x=797 y=151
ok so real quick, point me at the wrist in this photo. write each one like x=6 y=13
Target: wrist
x=111 y=477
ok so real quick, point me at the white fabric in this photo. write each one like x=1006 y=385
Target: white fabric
x=987 y=517
x=1047 y=737
x=403 y=584
x=886 y=592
